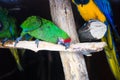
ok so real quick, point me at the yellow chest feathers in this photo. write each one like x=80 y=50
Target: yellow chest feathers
x=90 y=11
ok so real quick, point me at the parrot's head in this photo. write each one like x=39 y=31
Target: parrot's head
x=31 y=23
x=64 y=42
x=80 y=1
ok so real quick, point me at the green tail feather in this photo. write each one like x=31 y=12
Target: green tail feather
x=9 y=31
x=16 y=57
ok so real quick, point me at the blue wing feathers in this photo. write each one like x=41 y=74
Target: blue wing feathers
x=105 y=7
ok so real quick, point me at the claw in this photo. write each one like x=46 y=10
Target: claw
x=67 y=45
x=3 y=41
x=61 y=42
x=37 y=42
x=17 y=40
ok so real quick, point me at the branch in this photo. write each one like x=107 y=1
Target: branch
x=85 y=48
x=92 y=30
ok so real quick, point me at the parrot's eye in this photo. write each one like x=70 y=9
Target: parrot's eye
x=1 y=25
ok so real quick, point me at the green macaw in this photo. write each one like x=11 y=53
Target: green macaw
x=8 y=30
x=45 y=30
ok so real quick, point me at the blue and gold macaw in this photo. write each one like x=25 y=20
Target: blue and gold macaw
x=101 y=10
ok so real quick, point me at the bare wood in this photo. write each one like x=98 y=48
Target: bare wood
x=79 y=47
x=73 y=64
x=92 y=30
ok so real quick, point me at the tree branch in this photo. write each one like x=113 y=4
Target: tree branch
x=85 y=48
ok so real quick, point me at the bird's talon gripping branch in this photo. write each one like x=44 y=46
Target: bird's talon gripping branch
x=37 y=42
x=67 y=45
x=17 y=40
x=3 y=41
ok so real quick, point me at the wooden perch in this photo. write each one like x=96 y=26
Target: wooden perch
x=84 y=48
x=92 y=30
x=74 y=66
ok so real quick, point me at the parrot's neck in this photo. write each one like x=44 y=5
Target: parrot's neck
x=68 y=40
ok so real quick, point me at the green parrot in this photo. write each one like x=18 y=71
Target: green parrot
x=45 y=30
x=8 y=30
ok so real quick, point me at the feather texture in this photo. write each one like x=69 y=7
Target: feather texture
x=101 y=10
x=8 y=31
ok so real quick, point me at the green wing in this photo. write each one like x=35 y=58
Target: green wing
x=48 y=31
x=42 y=29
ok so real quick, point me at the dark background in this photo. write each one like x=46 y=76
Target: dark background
x=46 y=65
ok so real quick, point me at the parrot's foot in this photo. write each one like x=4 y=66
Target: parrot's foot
x=67 y=45
x=3 y=41
x=37 y=42
x=17 y=40
x=61 y=42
